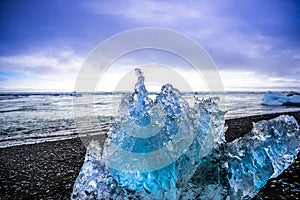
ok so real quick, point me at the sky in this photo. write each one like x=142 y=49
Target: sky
x=254 y=43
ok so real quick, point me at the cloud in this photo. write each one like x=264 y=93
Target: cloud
x=40 y=71
x=259 y=39
x=42 y=63
x=250 y=33
x=158 y=12
x=39 y=84
x=247 y=80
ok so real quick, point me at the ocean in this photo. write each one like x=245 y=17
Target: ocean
x=37 y=117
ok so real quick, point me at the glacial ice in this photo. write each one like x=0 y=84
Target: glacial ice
x=263 y=153
x=280 y=99
x=164 y=149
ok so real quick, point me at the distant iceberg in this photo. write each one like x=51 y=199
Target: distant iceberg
x=281 y=99
x=164 y=149
x=75 y=94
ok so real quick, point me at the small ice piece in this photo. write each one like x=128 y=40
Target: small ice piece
x=239 y=169
x=280 y=99
x=264 y=153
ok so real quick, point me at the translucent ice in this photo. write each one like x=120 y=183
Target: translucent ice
x=164 y=149
x=264 y=153
x=279 y=99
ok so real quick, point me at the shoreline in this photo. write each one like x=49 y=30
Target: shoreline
x=49 y=169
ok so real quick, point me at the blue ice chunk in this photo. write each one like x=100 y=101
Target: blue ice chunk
x=164 y=149
x=264 y=153
x=239 y=169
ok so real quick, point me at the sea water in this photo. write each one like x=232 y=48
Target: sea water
x=37 y=117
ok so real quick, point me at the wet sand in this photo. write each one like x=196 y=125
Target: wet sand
x=48 y=170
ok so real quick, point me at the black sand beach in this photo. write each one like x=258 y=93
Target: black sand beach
x=48 y=170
